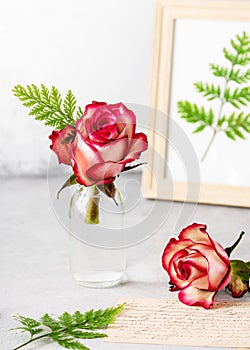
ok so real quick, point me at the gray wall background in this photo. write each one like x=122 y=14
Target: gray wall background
x=99 y=49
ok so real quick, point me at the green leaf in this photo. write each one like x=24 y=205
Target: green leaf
x=67 y=342
x=69 y=182
x=69 y=104
x=87 y=335
x=48 y=106
x=237 y=125
x=237 y=96
x=109 y=190
x=68 y=327
x=210 y=91
x=199 y=129
x=49 y=322
x=218 y=71
x=239 y=77
x=79 y=112
x=230 y=135
x=241 y=47
x=101 y=318
x=241 y=269
x=29 y=325
x=194 y=114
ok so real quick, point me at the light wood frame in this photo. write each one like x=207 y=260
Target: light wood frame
x=167 y=12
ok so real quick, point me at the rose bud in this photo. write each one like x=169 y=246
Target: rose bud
x=198 y=266
x=239 y=281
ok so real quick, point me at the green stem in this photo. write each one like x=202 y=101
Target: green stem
x=31 y=340
x=92 y=215
x=216 y=129
x=230 y=249
x=209 y=146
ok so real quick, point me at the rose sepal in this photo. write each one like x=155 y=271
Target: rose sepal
x=69 y=182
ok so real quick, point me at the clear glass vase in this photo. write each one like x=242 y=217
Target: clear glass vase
x=97 y=231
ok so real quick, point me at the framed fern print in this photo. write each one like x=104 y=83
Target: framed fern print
x=201 y=82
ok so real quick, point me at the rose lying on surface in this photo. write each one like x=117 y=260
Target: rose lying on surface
x=198 y=266
x=101 y=143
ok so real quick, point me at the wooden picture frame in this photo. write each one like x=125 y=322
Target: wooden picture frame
x=154 y=180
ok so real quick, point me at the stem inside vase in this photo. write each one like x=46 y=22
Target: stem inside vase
x=92 y=215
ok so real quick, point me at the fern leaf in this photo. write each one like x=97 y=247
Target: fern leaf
x=29 y=325
x=237 y=97
x=47 y=105
x=67 y=342
x=48 y=321
x=69 y=104
x=218 y=71
x=211 y=91
x=239 y=77
x=67 y=328
x=194 y=114
x=237 y=125
x=66 y=320
x=79 y=112
x=100 y=319
x=241 y=47
x=87 y=335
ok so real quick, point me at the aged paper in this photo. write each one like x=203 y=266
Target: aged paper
x=160 y=321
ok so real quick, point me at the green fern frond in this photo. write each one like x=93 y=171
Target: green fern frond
x=194 y=114
x=237 y=96
x=28 y=325
x=237 y=125
x=67 y=342
x=48 y=105
x=67 y=328
x=210 y=91
x=69 y=103
x=239 y=77
x=219 y=71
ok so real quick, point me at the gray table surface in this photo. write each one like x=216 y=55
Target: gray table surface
x=34 y=269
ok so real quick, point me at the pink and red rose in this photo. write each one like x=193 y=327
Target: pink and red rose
x=101 y=143
x=198 y=266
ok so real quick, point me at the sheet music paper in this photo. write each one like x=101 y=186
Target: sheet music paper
x=160 y=321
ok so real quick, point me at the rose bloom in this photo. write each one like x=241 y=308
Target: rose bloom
x=198 y=266
x=101 y=143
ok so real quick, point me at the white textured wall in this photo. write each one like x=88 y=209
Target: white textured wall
x=101 y=49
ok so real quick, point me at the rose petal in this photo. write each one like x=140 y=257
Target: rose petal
x=125 y=120
x=104 y=171
x=114 y=151
x=217 y=268
x=201 y=282
x=181 y=272
x=103 y=135
x=196 y=297
x=197 y=260
x=226 y=279
x=83 y=124
x=195 y=232
x=172 y=247
x=83 y=158
x=93 y=106
x=137 y=145
x=220 y=251
x=59 y=146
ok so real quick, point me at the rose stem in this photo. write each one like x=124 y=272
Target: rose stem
x=92 y=216
x=230 y=249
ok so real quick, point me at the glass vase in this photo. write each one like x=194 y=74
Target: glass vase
x=96 y=223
